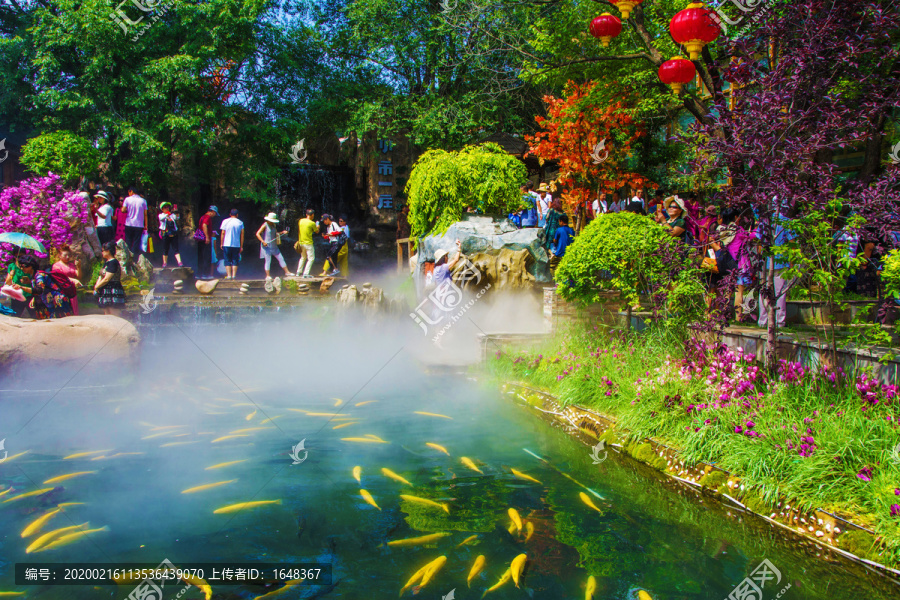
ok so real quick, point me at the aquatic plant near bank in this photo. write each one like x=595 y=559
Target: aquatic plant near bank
x=820 y=437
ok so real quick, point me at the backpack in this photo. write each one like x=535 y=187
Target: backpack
x=64 y=284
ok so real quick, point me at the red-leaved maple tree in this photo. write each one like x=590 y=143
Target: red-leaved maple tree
x=570 y=135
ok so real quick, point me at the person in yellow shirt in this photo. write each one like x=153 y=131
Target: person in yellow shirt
x=307 y=228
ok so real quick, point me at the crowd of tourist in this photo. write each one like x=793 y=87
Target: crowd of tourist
x=30 y=289
x=725 y=239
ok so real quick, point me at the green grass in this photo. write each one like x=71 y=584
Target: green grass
x=638 y=382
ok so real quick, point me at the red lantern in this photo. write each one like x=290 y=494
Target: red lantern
x=606 y=27
x=694 y=27
x=626 y=6
x=677 y=72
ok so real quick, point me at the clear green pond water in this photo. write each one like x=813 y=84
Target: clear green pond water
x=156 y=435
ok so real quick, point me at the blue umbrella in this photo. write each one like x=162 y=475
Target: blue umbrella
x=22 y=240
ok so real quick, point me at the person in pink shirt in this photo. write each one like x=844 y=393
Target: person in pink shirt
x=70 y=267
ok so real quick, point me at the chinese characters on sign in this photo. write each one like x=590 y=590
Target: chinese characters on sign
x=385 y=168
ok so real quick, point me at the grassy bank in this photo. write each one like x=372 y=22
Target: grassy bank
x=823 y=439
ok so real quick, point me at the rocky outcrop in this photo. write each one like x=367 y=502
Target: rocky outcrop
x=371 y=299
x=100 y=339
x=506 y=257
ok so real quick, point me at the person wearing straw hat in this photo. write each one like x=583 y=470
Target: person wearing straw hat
x=269 y=237
x=543 y=204
x=673 y=219
x=168 y=233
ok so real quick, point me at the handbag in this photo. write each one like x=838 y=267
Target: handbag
x=199 y=235
x=709 y=262
x=145 y=239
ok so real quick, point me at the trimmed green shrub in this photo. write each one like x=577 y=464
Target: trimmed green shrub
x=68 y=155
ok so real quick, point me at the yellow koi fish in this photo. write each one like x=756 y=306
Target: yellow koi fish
x=468 y=540
x=6 y=491
x=36 y=525
x=430 y=414
x=529 y=530
x=345 y=424
x=299 y=410
x=200 y=583
x=477 y=566
x=517 y=566
x=512 y=528
x=337 y=401
x=170 y=444
x=506 y=577
x=83 y=454
x=470 y=464
x=263 y=422
x=363 y=440
x=15 y=456
x=522 y=475
x=591 y=588
x=228 y=437
x=70 y=538
x=49 y=536
x=394 y=476
x=373 y=437
x=642 y=595
x=321 y=414
x=250 y=416
x=587 y=500
x=239 y=404
x=366 y=402
x=156 y=435
x=418 y=575
x=437 y=447
x=67 y=504
x=29 y=495
x=117 y=454
x=11 y=594
x=225 y=464
x=287 y=585
x=208 y=486
x=368 y=498
x=426 y=502
x=425 y=539
x=357 y=472
x=242 y=505
x=162 y=427
x=516 y=519
x=432 y=570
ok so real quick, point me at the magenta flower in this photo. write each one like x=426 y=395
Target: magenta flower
x=895 y=510
x=865 y=474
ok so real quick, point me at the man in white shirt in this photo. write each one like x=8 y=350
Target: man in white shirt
x=136 y=222
x=638 y=197
x=105 y=213
x=232 y=243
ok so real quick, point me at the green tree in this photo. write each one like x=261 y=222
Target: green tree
x=443 y=184
x=71 y=157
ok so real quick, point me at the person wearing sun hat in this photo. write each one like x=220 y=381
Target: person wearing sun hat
x=543 y=204
x=269 y=237
x=168 y=232
x=674 y=218
x=105 y=214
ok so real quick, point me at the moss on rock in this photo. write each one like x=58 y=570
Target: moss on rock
x=859 y=543
x=644 y=453
x=713 y=479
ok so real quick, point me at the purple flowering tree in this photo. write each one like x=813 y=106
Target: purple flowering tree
x=44 y=210
x=816 y=79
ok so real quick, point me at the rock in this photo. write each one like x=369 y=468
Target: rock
x=170 y=275
x=277 y=285
x=347 y=296
x=124 y=256
x=269 y=287
x=303 y=287
x=345 y=286
x=505 y=256
x=367 y=284
x=206 y=287
x=326 y=285
x=143 y=269
x=144 y=292
x=100 y=339
x=178 y=283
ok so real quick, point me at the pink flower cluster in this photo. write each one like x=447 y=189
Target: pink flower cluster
x=872 y=391
x=41 y=208
x=732 y=373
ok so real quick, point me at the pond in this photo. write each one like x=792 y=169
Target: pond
x=159 y=462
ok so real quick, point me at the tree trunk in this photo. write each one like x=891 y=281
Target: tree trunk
x=628 y=319
x=771 y=329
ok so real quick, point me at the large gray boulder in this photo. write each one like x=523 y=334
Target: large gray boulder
x=508 y=256
x=100 y=339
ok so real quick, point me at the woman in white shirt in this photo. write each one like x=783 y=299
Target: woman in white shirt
x=168 y=232
x=105 y=214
